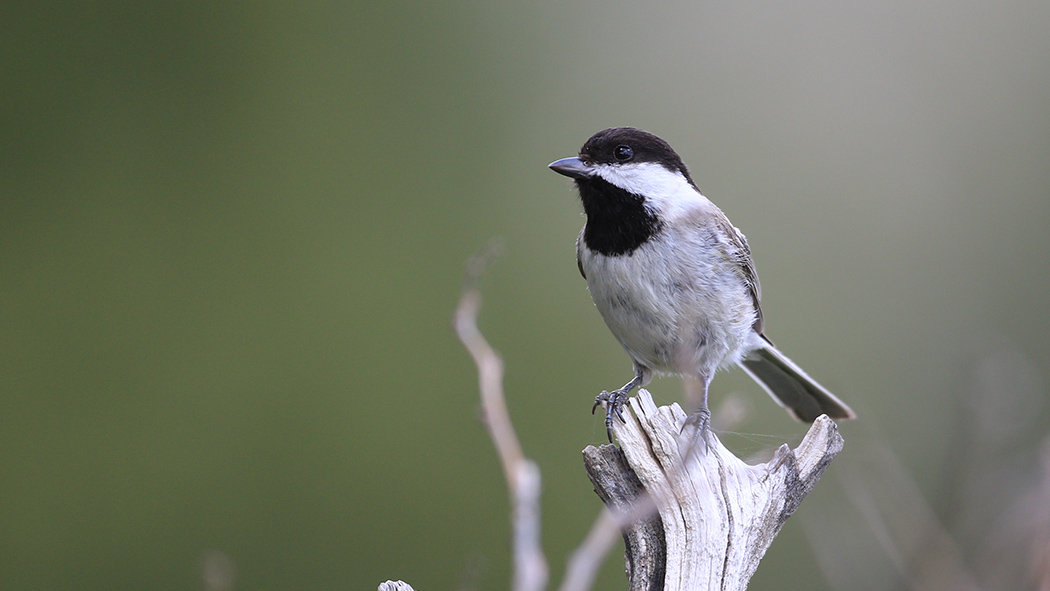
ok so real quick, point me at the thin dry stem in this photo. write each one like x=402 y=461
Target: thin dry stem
x=588 y=558
x=585 y=562
x=523 y=476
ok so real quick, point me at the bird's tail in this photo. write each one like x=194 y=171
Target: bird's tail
x=789 y=386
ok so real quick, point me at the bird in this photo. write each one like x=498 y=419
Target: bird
x=673 y=279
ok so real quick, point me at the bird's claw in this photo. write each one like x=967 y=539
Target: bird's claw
x=700 y=419
x=614 y=402
x=697 y=428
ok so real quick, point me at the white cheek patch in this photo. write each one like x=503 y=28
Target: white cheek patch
x=667 y=193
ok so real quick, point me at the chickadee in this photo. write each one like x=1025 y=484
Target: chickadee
x=673 y=278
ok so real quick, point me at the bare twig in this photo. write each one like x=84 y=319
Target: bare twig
x=522 y=474
x=587 y=559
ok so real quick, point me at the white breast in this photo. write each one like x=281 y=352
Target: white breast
x=676 y=304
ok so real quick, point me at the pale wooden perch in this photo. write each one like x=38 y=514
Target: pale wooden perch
x=714 y=516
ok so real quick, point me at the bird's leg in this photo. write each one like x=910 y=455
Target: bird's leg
x=615 y=400
x=701 y=417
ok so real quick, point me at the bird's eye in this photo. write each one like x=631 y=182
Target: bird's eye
x=623 y=153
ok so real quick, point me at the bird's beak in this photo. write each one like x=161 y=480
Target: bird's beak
x=572 y=167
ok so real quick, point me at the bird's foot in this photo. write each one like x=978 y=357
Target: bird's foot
x=696 y=429
x=613 y=402
x=699 y=420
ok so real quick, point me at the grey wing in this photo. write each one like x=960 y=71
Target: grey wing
x=579 y=259
x=741 y=253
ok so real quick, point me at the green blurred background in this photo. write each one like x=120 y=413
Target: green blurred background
x=232 y=237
